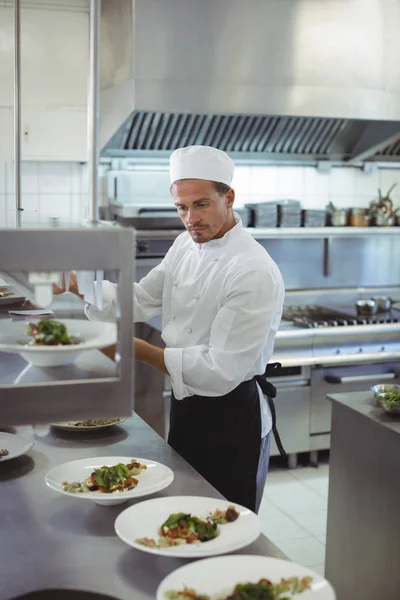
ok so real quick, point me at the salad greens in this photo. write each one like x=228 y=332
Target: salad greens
x=391 y=397
x=49 y=333
x=263 y=590
x=107 y=480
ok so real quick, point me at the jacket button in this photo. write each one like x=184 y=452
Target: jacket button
x=189 y=330
x=175 y=284
x=173 y=317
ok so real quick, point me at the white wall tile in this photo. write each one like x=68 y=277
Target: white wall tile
x=78 y=206
x=387 y=177
x=10 y=182
x=316 y=183
x=241 y=180
x=29 y=178
x=342 y=181
x=263 y=180
x=76 y=178
x=55 y=205
x=55 y=178
x=241 y=200
x=3 y=178
x=366 y=183
x=290 y=182
x=318 y=202
x=30 y=202
x=3 y=209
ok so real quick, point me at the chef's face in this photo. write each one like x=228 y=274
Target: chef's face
x=206 y=213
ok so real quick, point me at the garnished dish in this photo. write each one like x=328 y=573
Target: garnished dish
x=49 y=333
x=182 y=528
x=108 y=480
x=187 y=527
x=3 y=452
x=264 y=589
x=91 y=424
x=244 y=577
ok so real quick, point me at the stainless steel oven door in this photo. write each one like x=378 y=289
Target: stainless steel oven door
x=292 y=404
x=340 y=379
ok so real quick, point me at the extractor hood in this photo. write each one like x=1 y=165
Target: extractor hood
x=271 y=79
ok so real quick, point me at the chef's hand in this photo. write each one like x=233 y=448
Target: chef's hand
x=73 y=286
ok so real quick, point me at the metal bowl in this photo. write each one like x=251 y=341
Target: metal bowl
x=366 y=307
x=380 y=391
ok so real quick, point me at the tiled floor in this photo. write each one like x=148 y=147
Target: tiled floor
x=294 y=513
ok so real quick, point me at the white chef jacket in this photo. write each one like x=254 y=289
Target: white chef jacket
x=221 y=305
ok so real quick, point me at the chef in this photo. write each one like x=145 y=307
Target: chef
x=221 y=298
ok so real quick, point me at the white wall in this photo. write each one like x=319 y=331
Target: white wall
x=54 y=67
x=48 y=189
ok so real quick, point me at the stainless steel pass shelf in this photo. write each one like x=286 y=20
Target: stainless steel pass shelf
x=260 y=233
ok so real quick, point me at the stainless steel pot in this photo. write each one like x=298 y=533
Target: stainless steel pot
x=339 y=218
x=366 y=308
x=384 y=303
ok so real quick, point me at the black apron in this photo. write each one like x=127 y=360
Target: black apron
x=220 y=437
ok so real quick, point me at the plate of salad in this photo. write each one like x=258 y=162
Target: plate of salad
x=244 y=577
x=187 y=526
x=51 y=343
x=109 y=480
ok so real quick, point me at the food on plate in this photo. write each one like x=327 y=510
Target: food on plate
x=95 y=422
x=49 y=333
x=183 y=528
x=108 y=480
x=3 y=452
x=391 y=396
x=263 y=590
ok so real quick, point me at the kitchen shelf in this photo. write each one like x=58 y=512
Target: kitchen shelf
x=288 y=233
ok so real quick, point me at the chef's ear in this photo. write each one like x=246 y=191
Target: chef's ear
x=230 y=197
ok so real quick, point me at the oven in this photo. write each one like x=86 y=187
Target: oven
x=292 y=404
x=340 y=379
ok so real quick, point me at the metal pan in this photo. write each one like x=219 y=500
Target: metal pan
x=384 y=303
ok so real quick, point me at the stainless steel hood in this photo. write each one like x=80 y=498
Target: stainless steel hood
x=285 y=79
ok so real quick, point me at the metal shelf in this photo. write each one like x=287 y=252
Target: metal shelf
x=276 y=233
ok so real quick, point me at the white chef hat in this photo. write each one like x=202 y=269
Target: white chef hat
x=201 y=162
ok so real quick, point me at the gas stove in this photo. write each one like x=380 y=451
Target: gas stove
x=313 y=316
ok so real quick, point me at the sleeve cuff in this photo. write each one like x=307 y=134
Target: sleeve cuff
x=173 y=358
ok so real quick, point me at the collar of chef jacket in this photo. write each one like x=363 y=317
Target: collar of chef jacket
x=226 y=239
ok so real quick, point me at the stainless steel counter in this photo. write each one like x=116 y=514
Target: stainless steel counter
x=363 y=534
x=52 y=541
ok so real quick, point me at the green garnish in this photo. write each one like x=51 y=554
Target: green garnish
x=107 y=477
x=390 y=397
x=263 y=590
x=49 y=333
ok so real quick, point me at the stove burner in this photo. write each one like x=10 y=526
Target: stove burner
x=313 y=316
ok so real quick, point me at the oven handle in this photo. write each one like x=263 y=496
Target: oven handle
x=290 y=384
x=357 y=378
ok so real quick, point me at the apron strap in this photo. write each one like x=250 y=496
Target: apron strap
x=269 y=391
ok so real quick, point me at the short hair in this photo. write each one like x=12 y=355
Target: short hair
x=220 y=188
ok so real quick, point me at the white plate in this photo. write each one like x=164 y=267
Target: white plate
x=146 y=518
x=71 y=426
x=93 y=334
x=15 y=444
x=155 y=478
x=10 y=300
x=217 y=577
